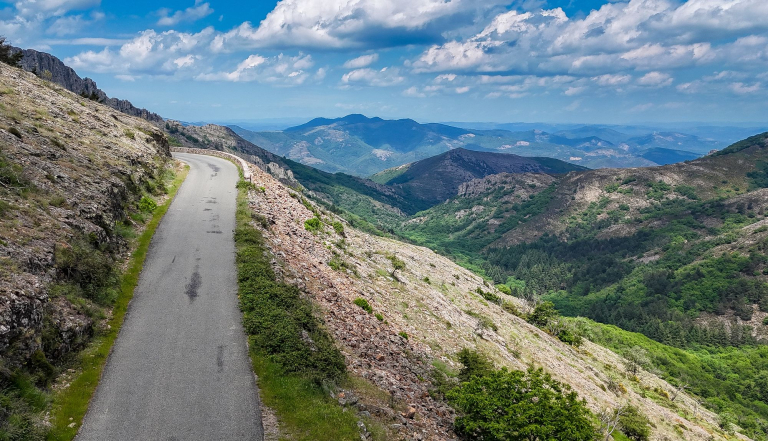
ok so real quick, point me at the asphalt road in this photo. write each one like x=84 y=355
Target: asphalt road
x=179 y=369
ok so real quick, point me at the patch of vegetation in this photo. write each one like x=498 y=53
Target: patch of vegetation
x=483 y=321
x=403 y=334
x=242 y=184
x=129 y=133
x=174 y=142
x=313 y=225
x=502 y=404
x=147 y=204
x=728 y=380
x=338 y=227
x=397 y=264
x=277 y=316
x=364 y=305
x=8 y=57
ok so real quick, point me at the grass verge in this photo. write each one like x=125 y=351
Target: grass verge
x=291 y=352
x=70 y=404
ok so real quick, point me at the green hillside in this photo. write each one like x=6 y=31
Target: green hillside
x=674 y=253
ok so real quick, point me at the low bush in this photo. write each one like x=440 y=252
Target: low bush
x=635 y=425
x=313 y=225
x=87 y=270
x=505 y=405
x=362 y=303
x=242 y=184
x=338 y=228
x=542 y=314
x=474 y=364
x=147 y=204
x=280 y=321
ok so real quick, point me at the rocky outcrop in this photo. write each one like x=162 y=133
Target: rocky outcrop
x=40 y=63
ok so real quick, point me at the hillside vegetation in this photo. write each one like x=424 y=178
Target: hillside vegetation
x=676 y=253
x=428 y=333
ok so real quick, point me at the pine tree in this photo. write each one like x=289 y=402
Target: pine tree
x=9 y=57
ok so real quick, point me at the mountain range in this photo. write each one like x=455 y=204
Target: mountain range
x=362 y=146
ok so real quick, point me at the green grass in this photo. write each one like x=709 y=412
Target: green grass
x=70 y=405
x=304 y=411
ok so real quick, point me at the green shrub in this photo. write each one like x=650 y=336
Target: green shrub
x=379 y=317
x=635 y=425
x=129 y=134
x=485 y=322
x=313 y=225
x=147 y=204
x=242 y=184
x=88 y=270
x=397 y=264
x=362 y=303
x=570 y=337
x=279 y=320
x=765 y=321
x=491 y=297
x=515 y=405
x=474 y=364
x=426 y=280
x=504 y=289
x=511 y=308
x=542 y=314
x=403 y=334
x=338 y=228
x=57 y=201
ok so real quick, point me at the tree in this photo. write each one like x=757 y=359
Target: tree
x=636 y=359
x=542 y=314
x=609 y=420
x=8 y=57
x=397 y=264
x=516 y=405
x=475 y=364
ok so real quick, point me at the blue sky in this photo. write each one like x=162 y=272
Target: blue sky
x=587 y=61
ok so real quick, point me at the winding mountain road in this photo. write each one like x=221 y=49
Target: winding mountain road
x=179 y=369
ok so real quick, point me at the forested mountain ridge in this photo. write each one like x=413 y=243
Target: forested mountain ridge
x=674 y=252
x=587 y=234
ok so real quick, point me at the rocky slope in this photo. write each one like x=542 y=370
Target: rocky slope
x=69 y=170
x=40 y=62
x=435 y=304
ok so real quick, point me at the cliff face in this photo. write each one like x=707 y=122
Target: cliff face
x=69 y=169
x=66 y=77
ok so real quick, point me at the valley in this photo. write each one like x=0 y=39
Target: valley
x=386 y=275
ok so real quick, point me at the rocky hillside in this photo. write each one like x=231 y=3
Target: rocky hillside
x=424 y=313
x=71 y=170
x=52 y=69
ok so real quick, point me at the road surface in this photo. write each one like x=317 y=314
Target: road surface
x=179 y=369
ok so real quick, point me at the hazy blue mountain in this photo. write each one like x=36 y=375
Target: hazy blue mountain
x=363 y=146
